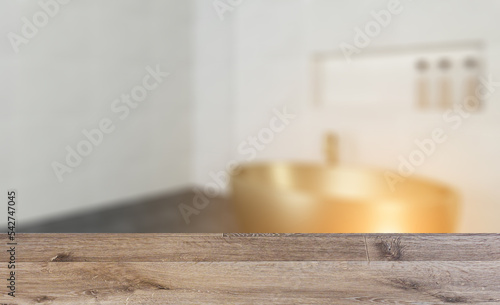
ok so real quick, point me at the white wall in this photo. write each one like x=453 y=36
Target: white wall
x=65 y=80
x=213 y=90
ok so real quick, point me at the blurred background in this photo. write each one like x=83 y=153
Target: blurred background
x=248 y=82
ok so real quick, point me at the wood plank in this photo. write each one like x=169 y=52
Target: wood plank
x=257 y=247
x=188 y=247
x=324 y=282
x=255 y=269
x=433 y=247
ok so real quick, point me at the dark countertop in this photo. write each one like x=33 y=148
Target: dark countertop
x=159 y=214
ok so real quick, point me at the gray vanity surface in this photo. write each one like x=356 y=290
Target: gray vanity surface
x=159 y=214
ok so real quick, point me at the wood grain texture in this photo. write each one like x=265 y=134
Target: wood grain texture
x=256 y=269
x=434 y=247
x=188 y=248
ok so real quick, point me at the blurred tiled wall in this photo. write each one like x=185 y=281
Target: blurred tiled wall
x=65 y=80
x=226 y=77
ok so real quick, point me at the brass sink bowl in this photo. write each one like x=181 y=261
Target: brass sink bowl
x=316 y=198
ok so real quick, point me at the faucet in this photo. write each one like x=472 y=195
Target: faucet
x=331 y=149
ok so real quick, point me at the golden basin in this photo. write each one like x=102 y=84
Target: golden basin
x=316 y=198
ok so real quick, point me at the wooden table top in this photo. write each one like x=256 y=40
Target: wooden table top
x=255 y=269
